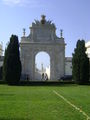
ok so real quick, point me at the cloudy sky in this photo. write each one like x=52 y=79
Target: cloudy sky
x=73 y=16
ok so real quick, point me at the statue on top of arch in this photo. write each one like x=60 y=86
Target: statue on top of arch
x=43 y=21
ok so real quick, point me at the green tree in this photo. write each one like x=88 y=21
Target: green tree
x=12 y=63
x=1 y=73
x=80 y=63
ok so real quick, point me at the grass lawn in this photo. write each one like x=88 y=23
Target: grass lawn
x=41 y=103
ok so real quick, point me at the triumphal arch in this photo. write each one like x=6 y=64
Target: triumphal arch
x=43 y=37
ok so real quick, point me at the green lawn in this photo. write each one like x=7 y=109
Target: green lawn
x=41 y=103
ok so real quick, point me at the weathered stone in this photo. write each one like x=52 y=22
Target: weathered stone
x=43 y=38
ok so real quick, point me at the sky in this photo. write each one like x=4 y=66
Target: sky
x=73 y=16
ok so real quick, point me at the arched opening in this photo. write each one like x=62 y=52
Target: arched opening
x=42 y=66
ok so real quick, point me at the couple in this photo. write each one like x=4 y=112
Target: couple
x=44 y=76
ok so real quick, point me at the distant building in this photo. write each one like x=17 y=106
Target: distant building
x=48 y=71
x=88 y=48
x=39 y=72
x=1 y=57
x=68 y=66
x=1 y=61
x=1 y=50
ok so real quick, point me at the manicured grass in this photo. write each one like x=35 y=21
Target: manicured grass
x=41 y=103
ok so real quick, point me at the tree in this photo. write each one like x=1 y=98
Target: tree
x=1 y=73
x=80 y=63
x=12 y=63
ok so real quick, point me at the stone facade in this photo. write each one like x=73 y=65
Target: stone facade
x=87 y=45
x=43 y=37
x=1 y=61
x=1 y=55
x=68 y=65
x=1 y=50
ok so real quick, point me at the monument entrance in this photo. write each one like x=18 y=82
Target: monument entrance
x=43 y=37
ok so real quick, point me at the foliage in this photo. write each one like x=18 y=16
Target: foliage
x=12 y=64
x=80 y=63
x=0 y=73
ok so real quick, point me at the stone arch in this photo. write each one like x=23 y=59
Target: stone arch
x=43 y=37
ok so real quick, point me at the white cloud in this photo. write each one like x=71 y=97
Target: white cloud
x=31 y=3
x=11 y=2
